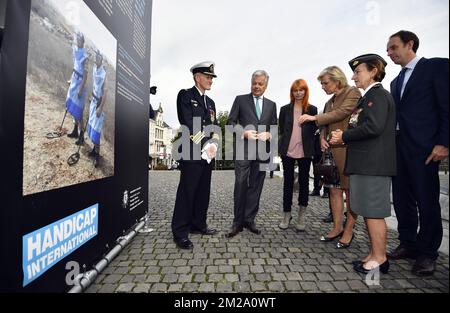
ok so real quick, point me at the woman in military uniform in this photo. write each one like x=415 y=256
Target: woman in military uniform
x=371 y=159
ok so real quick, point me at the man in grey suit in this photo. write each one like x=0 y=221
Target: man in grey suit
x=252 y=115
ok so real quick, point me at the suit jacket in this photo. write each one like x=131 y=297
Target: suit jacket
x=243 y=113
x=422 y=113
x=336 y=114
x=286 y=122
x=190 y=105
x=370 y=137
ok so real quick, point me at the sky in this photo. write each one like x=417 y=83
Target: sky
x=76 y=11
x=290 y=39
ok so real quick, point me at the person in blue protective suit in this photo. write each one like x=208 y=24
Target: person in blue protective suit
x=76 y=95
x=96 y=112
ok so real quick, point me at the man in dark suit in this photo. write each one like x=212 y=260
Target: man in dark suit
x=421 y=95
x=192 y=200
x=257 y=113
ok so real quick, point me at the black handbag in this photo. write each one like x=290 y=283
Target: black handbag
x=326 y=169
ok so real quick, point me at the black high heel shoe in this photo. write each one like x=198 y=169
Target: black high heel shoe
x=357 y=262
x=341 y=245
x=383 y=268
x=327 y=239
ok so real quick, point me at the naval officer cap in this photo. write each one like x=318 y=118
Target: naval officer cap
x=206 y=68
x=364 y=59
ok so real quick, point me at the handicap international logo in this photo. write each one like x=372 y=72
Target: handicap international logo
x=45 y=247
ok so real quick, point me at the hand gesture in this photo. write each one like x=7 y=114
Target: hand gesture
x=251 y=134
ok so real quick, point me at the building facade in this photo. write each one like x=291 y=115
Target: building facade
x=160 y=140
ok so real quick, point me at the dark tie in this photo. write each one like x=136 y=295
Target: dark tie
x=400 y=80
x=204 y=100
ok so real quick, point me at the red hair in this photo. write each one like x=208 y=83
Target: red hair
x=300 y=84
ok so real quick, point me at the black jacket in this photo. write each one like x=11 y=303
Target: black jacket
x=371 y=135
x=286 y=122
x=190 y=106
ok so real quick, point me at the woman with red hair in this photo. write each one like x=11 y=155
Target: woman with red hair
x=296 y=144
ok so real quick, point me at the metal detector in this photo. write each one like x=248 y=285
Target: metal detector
x=58 y=133
x=74 y=158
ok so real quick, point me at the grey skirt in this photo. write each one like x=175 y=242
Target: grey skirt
x=370 y=196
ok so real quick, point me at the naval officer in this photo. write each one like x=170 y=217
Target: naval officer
x=192 y=201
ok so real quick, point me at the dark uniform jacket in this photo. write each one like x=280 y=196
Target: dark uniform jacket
x=190 y=105
x=371 y=135
x=285 y=124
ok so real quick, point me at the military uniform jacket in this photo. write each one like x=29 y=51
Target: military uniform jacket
x=370 y=136
x=191 y=105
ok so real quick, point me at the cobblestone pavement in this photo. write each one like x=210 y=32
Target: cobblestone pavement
x=275 y=261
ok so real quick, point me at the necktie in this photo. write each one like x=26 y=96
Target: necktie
x=400 y=80
x=258 y=109
x=204 y=100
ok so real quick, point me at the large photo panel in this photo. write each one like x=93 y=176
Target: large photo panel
x=79 y=68
x=70 y=97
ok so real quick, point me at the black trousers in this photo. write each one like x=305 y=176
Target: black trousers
x=317 y=182
x=248 y=185
x=191 y=204
x=304 y=165
x=416 y=202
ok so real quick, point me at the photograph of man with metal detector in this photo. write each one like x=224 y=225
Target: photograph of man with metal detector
x=71 y=74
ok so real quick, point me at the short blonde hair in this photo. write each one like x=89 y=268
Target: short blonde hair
x=336 y=75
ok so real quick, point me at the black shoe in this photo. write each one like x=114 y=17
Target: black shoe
x=357 y=263
x=402 y=253
x=97 y=160
x=315 y=193
x=207 y=231
x=74 y=133
x=424 y=266
x=341 y=245
x=252 y=227
x=325 y=195
x=80 y=140
x=183 y=243
x=92 y=154
x=234 y=231
x=328 y=218
x=384 y=268
x=327 y=239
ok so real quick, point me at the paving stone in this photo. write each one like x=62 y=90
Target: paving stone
x=153 y=278
x=224 y=287
x=125 y=288
x=159 y=287
x=206 y=287
x=308 y=286
x=175 y=288
x=142 y=288
x=232 y=277
x=170 y=278
x=200 y=278
x=112 y=279
x=275 y=261
x=293 y=276
x=292 y=286
x=257 y=286
x=185 y=278
x=276 y=286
